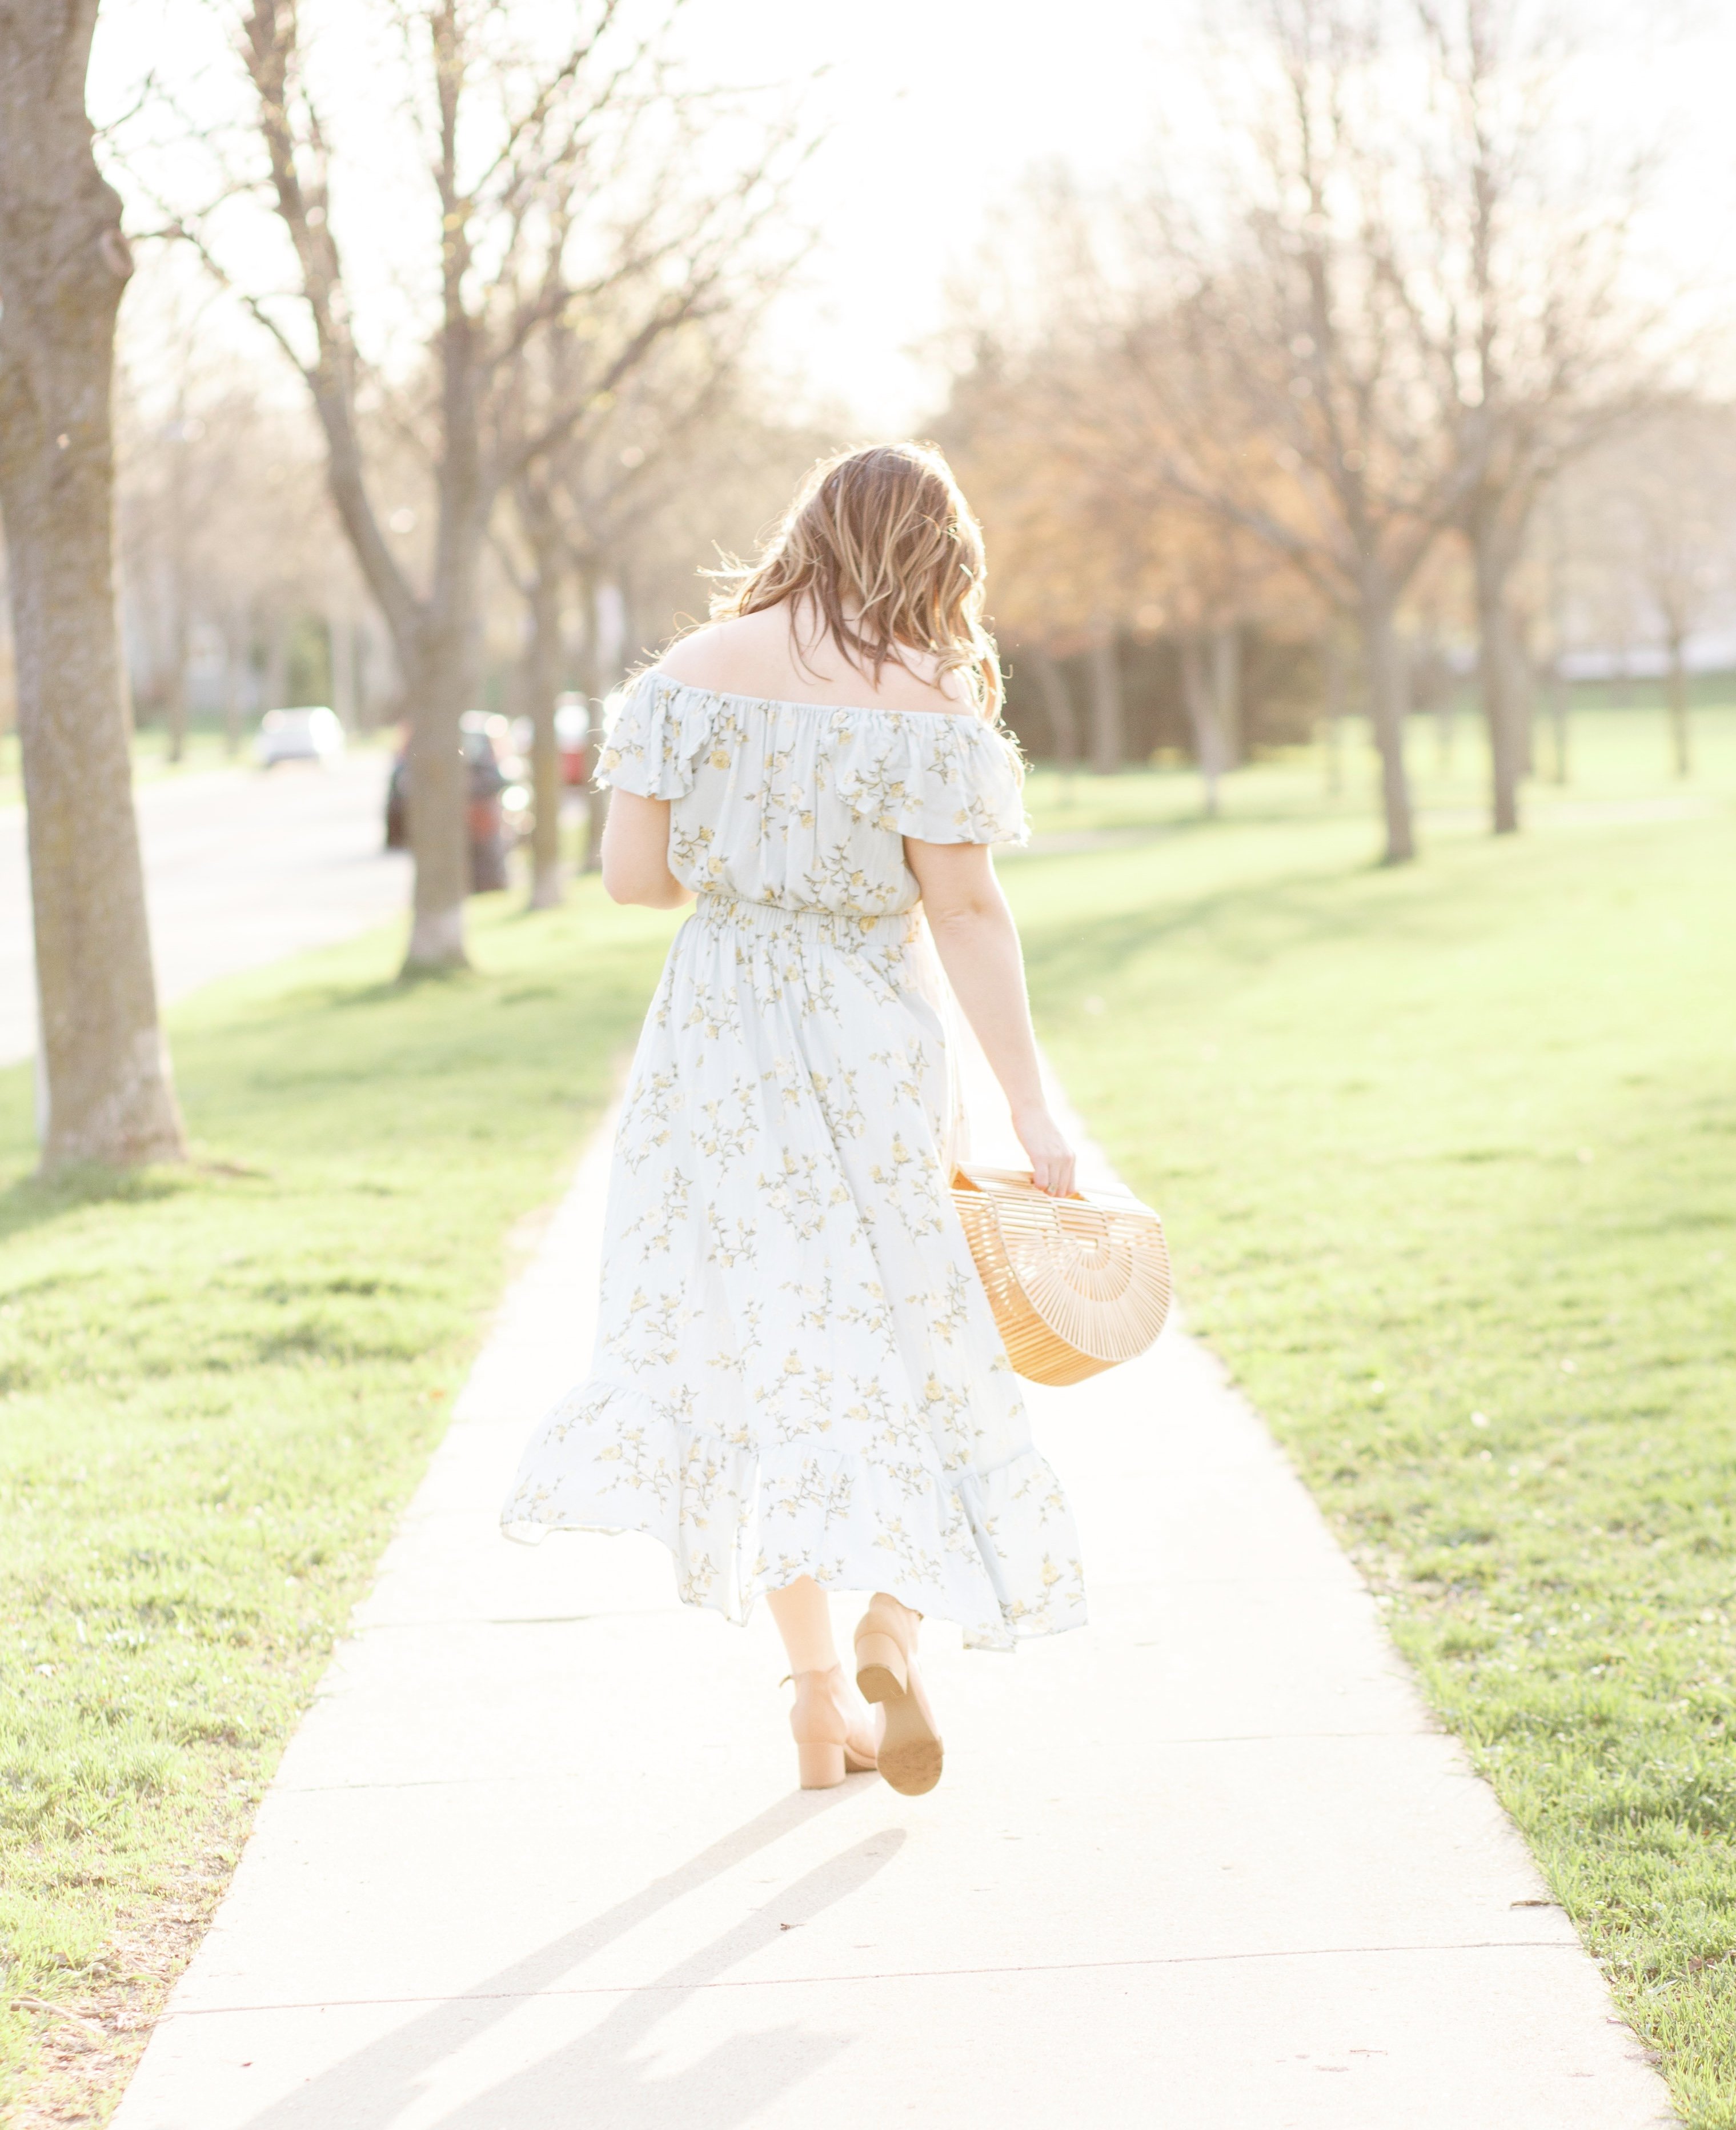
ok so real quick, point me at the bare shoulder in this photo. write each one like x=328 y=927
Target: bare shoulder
x=726 y=655
x=760 y=654
x=947 y=694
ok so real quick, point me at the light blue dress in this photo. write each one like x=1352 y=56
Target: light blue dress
x=796 y=1368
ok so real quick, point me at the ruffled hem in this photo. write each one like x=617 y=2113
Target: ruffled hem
x=974 y=1547
x=940 y=778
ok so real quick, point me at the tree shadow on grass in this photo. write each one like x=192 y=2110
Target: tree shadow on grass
x=1296 y=911
x=34 y=1201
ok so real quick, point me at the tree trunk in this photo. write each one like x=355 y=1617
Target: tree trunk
x=1057 y=701
x=1678 y=697
x=596 y=795
x=340 y=635
x=63 y=266
x=1386 y=711
x=1333 y=658
x=1198 y=698
x=437 y=794
x=542 y=682
x=180 y=618
x=275 y=689
x=1496 y=676
x=1107 y=742
x=174 y=709
x=235 y=653
x=1559 y=694
x=1227 y=693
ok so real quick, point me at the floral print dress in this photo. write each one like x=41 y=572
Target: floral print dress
x=796 y=1370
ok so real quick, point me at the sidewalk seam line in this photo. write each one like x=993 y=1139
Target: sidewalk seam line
x=887 y=1974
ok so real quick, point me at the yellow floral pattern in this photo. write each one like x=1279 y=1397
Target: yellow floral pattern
x=796 y=1370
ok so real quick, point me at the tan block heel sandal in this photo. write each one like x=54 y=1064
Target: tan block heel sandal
x=911 y=1754
x=827 y=1747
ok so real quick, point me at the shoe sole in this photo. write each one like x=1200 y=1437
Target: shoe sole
x=911 y=1755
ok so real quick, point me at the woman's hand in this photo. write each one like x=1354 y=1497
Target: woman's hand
x=1051 y=1158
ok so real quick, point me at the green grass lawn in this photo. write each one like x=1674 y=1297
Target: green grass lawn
x=1448 y=1156
x=1448 y=1159
x=1616 y=759
x=217 y=1386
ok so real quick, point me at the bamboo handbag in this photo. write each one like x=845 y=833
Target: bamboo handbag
x=1076 y=1284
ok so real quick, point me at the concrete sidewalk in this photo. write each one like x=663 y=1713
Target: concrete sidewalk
x=536 y=1858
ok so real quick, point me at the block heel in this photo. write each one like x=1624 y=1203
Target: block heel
x=911 y=1755
x=826 y=1749
x=881 y=1672
x=821 y=1766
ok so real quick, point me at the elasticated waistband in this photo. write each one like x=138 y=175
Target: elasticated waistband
x=839 y=927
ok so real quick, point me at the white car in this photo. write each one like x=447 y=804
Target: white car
x=313 y=735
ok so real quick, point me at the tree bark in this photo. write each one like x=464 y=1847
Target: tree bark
x=180 y=578
x=1227 y=693
x=1201 y=704
x=275 y=687
x=63 y=264
x=1332 y=657
x=1677 y=696
x=1386 y=711
x=542 y=684
x=1107 y=738
x=1559 y=699
x=1496 y=680
x=174 y=701
x=438 y=792
x=235 y=652
x=1057 y=702
x=341 y=636
x=596 y=795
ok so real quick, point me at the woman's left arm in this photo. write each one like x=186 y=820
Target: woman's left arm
x=636 y=853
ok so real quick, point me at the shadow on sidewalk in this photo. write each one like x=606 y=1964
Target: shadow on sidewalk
x=591 y=2076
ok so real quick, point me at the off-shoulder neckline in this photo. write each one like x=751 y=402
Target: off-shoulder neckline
x=831 y=709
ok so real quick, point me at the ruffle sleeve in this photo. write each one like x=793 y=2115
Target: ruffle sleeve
x=940 y=777
x=653 y=746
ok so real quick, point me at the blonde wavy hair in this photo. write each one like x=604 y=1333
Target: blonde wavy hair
x=883 y=544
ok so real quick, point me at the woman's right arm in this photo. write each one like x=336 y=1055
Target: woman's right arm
x=978 y=945
x=636 y=853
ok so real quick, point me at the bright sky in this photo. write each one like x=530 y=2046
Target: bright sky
x=934 y=109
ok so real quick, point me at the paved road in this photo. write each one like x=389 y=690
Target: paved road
x=241 y=868
x=536 y=1858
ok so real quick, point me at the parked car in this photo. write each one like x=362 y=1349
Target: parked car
x=573 y=737
x=499 y=805
x=308 y=735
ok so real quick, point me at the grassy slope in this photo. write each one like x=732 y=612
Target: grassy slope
x=216 y=1386
x=1448 y=1156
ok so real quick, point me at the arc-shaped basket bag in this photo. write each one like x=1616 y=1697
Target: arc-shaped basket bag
x=1076 y=1284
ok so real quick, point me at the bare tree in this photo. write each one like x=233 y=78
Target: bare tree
x=1543 y=343
x=553 y=197
x=228 y=542
x=578 y=505
x=63 y=265
x=1295 y=382
x=1057 y=699
x=1658 y=500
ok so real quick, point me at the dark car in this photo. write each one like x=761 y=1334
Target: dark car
x=496 y=805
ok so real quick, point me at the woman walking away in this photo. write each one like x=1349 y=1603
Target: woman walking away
x=798 y=1384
